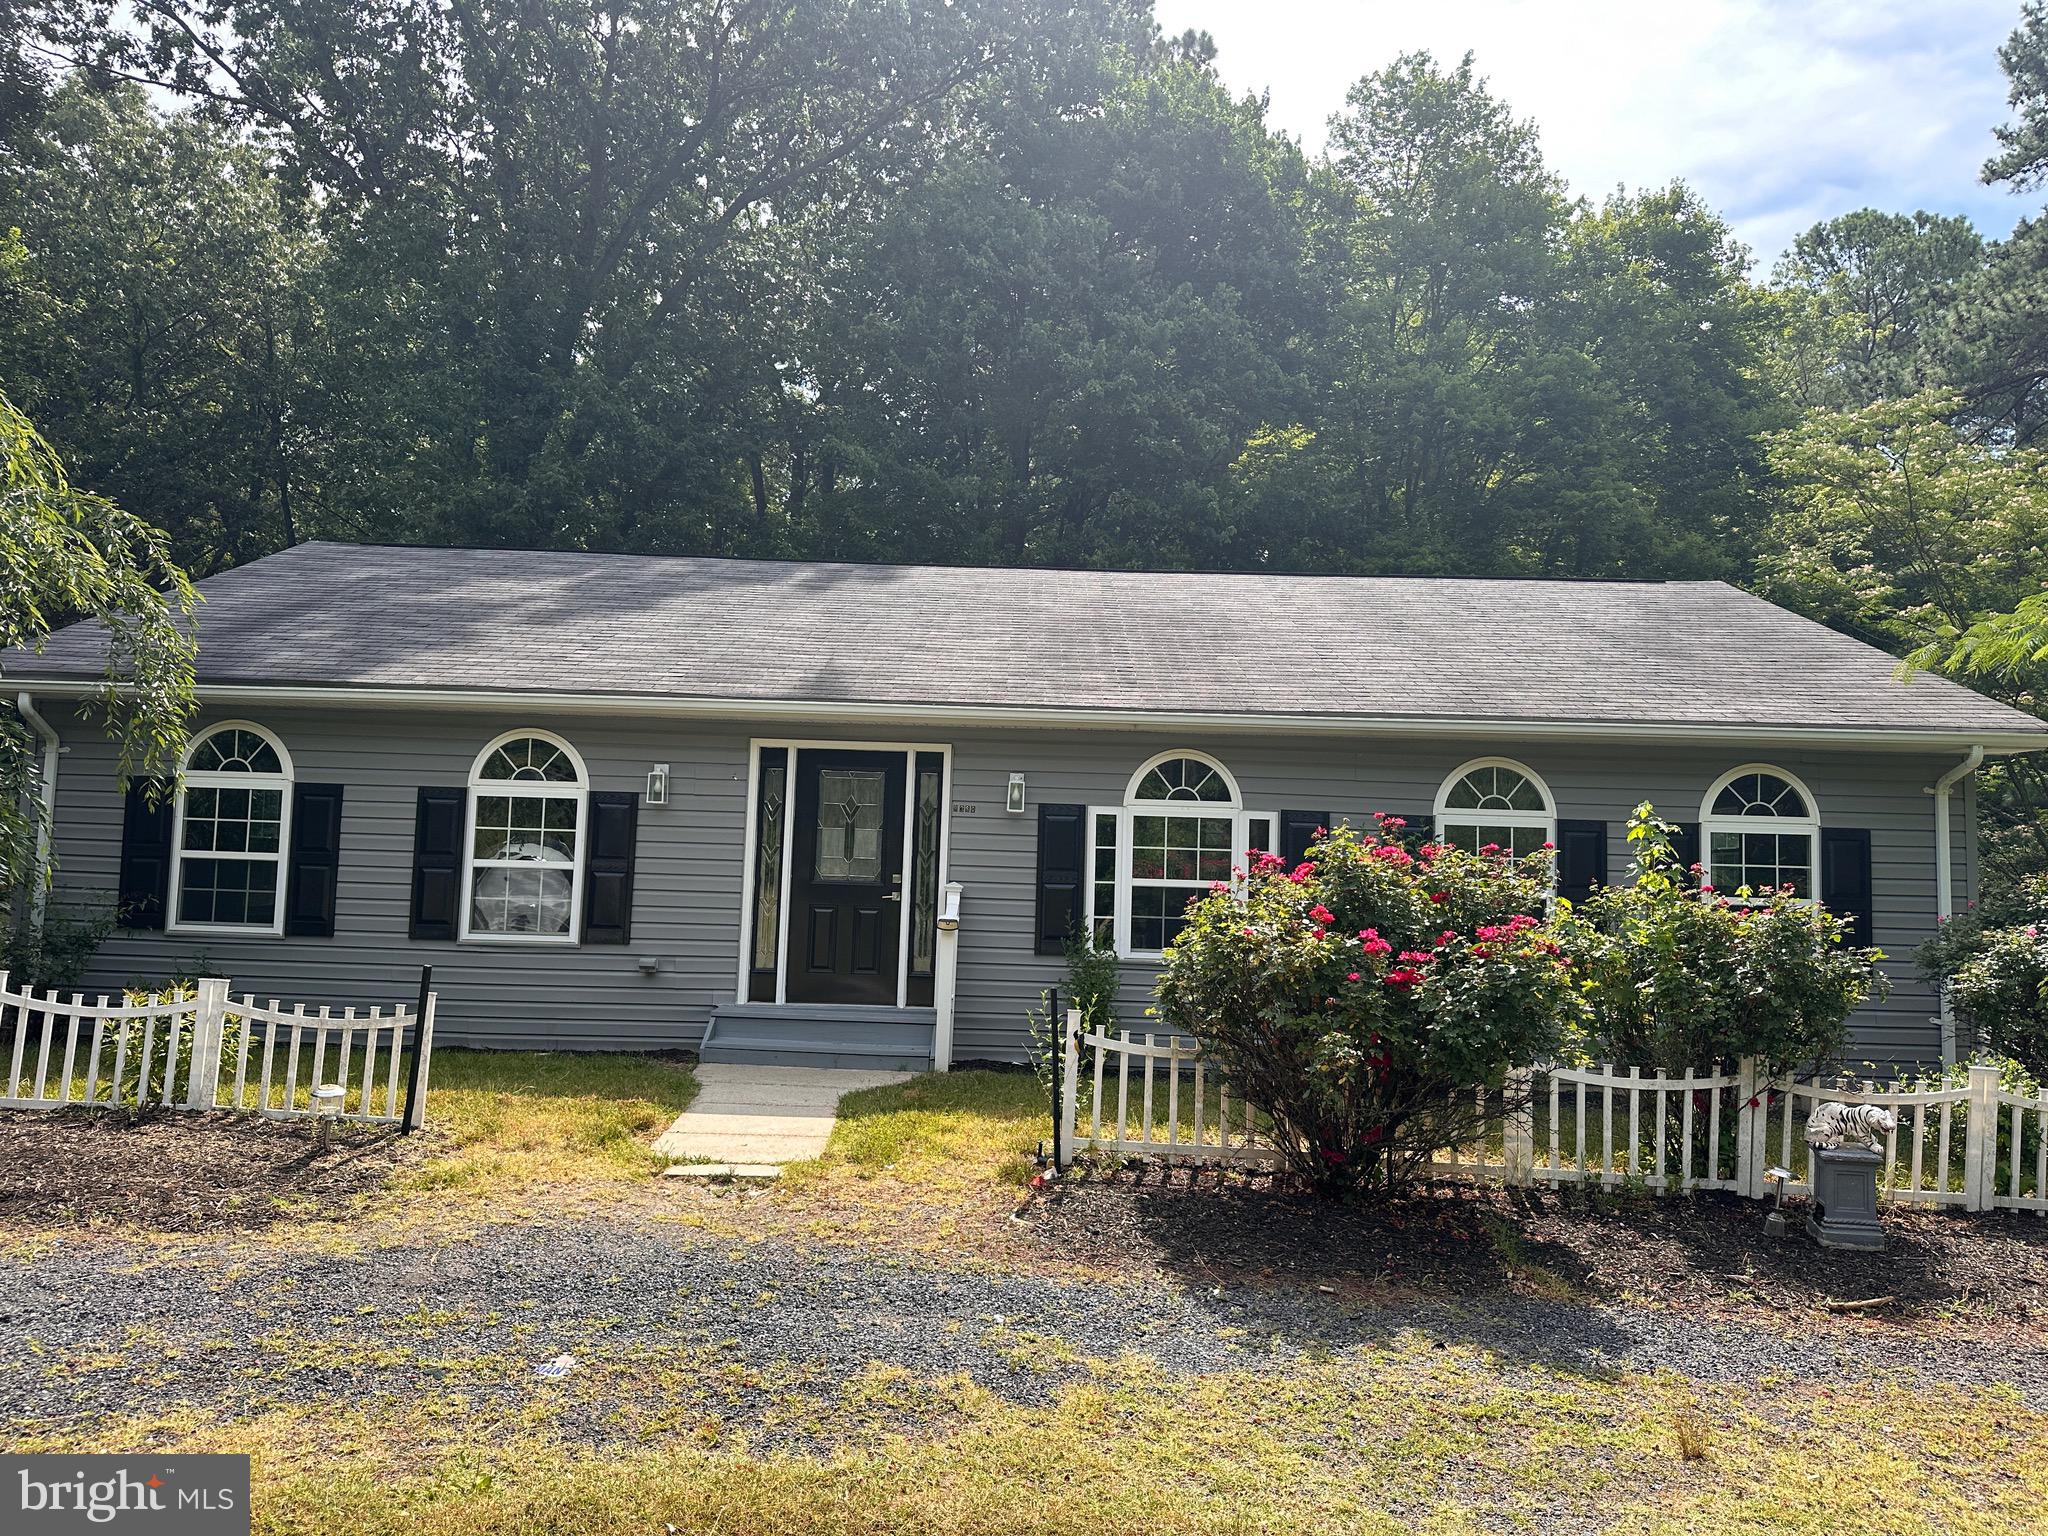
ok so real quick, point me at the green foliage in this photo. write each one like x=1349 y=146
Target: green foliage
x=2023 y=157
x=1093 y=976
x=55 y=954
x=1676 y=977
x=1901 y=527
x=1357 y=1000
x=165 y=321
x=2002 y=989
x=67 y=554
x=1959 y=939
x=1860 y=295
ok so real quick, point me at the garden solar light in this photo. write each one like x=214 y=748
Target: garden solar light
x=1774 y=1224
x=327 y=1099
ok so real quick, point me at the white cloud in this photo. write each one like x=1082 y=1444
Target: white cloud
x=1780 y=114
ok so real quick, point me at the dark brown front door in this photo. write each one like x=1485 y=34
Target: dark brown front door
x=846 y=878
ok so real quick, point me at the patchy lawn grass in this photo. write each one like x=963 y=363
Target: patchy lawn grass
x=1381 y=1441
x=510 y=1121
x=942 y=1132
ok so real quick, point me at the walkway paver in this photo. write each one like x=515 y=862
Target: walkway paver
x=753 y=1115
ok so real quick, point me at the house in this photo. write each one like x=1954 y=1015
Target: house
x=639 y=802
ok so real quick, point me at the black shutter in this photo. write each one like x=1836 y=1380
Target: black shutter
x=314 y=864
x=1062 y=846
x=1845 y=880
x=1297 y=830
x=145 y=855
x=1581 y=858
x=608 y=867
x=437 y=862
x=1685 y=842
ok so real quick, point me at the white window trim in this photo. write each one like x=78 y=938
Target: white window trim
x=1544 y=820
x=1809 y=825
x=187 y=782
x=526 y=789
x=1240 y=823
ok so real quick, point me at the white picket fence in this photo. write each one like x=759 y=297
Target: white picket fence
x=210 y=1050
x=1978 y=1145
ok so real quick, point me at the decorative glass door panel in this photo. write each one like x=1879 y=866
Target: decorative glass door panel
x=846 y=896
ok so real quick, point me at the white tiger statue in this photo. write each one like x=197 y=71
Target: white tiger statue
x=1836 y=1125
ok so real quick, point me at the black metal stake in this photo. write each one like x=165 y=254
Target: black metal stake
x=1059 y=1056
x=412 y=1072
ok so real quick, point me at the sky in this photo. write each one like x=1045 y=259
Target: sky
x=1779 y=114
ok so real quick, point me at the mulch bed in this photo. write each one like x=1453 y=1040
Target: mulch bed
x=174 y=1171
x=1704 y=1251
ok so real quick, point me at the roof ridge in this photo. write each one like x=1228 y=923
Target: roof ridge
x=798 y=561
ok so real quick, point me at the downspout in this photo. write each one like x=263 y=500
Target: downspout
x=1944 y=881
x=39 y=885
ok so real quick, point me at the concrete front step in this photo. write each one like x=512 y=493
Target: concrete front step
x=820 y=1035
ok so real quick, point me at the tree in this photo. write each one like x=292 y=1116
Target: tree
x=1512 y=383
x=1865 y=291
x=1053 y=350
x=1993 y=341
x=1897 y=526
x=67 y=554
x=1900 y=526
x=163 y=321
x=555 y=225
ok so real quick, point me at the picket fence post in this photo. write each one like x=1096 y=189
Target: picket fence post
x=1752 y=1119
x=209 y=1023
x=1070 y=1101
x=423 y=1060
x=1518 y=1126
x=1980 y=1139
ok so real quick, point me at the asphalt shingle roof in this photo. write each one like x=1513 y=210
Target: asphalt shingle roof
x=1688 y=652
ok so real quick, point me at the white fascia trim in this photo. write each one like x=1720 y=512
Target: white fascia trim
x=1081 y=718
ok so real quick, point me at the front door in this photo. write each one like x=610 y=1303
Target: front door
x=846 y=878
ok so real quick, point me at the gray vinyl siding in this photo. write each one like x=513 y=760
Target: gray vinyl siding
x=690 y=862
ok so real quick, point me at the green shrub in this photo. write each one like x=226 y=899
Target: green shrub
x=2003 y=990
x=1959 y=939
x=1675 y=977
x=1359 y=999
x=1093 y=975
x=55 y=955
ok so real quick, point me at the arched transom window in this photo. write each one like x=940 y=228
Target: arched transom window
x=234 y=815
x=1181 y=829
x=1760 y=828
x=1495 y=802
x=528 y=796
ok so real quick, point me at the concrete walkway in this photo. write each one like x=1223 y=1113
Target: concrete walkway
x=747 y=1121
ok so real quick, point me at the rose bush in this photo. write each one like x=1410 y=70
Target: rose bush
x=1679 y=975
x=2003 y=990
x=1359 y=998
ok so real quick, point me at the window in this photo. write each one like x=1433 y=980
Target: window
x=1181 y=829
x=1495 y=802
x=1759 y=828
x=233 y=815
x=528 y=795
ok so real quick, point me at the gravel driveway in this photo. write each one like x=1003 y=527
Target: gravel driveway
x=80 y=1339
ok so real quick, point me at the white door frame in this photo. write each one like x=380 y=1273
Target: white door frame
x=750 y=857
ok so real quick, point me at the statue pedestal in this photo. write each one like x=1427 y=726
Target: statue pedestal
x=1844 y=1213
